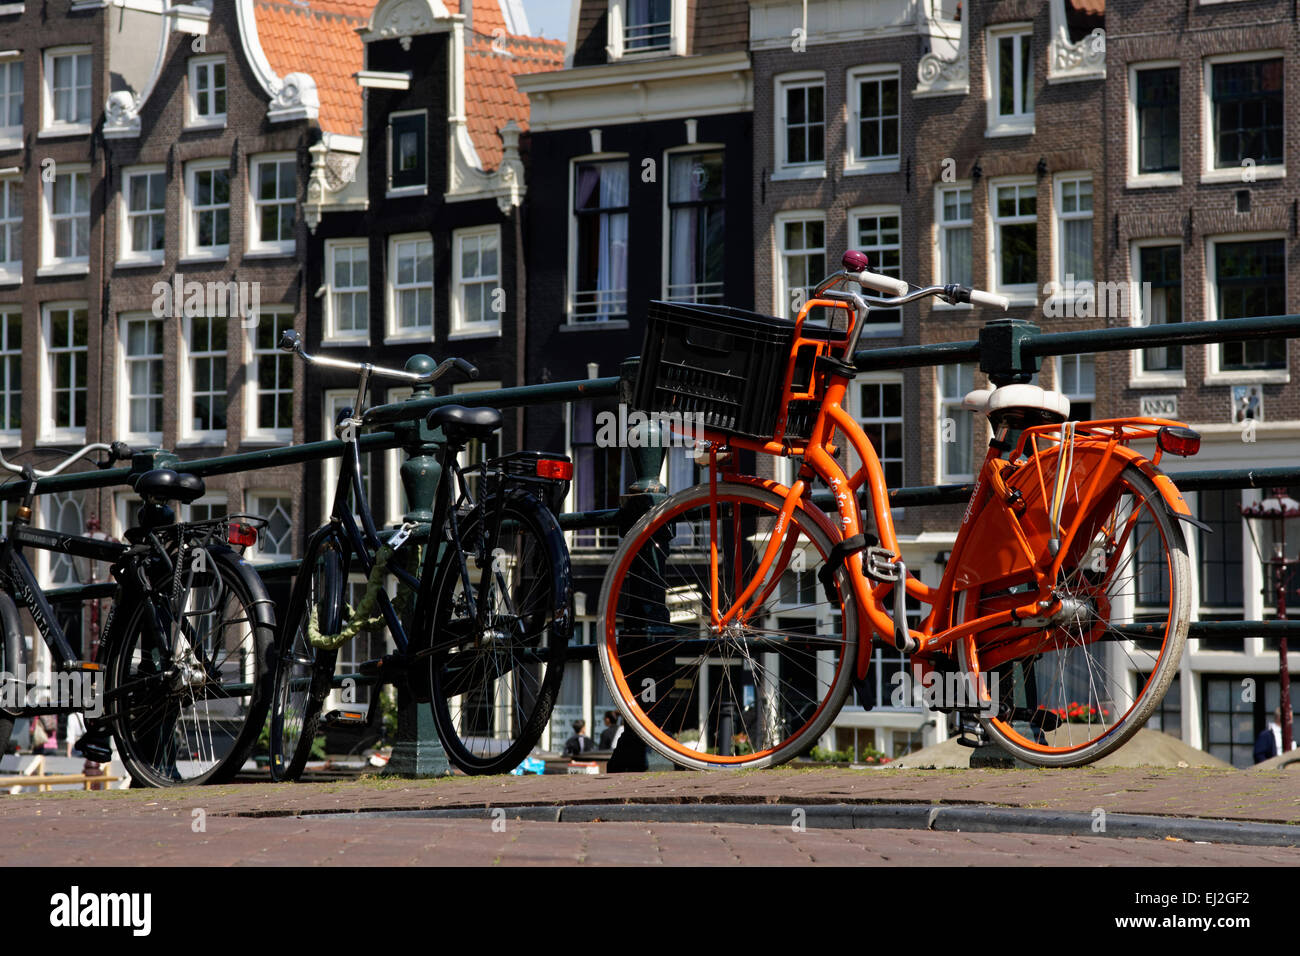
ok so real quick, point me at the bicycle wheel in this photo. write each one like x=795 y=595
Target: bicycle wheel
x=1068 y=690
x=303 y=673
x=748 y=694
x=12 y=665
x=190 y=695
x=493 y=690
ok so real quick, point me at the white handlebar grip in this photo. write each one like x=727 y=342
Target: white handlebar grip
x=873 y=280
x=988 y=298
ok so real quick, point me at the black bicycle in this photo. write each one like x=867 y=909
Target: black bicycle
x=185 y=654
x=488 y=608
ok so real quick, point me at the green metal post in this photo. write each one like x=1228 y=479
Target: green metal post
x=418 y=752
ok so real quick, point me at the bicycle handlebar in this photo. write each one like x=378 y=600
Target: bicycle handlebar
x=291 y=341
x=116 y=451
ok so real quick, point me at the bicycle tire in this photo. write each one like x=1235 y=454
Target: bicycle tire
x=303 y=673
x=1085 y=734
x=153 y=739
x=791 y=719
x=476 y=693
x=12 y=661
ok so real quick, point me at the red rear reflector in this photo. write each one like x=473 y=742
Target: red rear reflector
x=551 y=468
x=244 y=535
x=1178 y=441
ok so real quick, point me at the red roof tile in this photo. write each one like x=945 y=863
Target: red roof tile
x=493 y=58
x=319 y=37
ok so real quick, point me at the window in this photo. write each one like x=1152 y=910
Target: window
x=337 y=399
x=648 y=26
x=477 y=449
x=1074 y=230
x=802 y=238
x=600 y=192
x=407 y=146
x=1157 y=135
x=880 y=413
x=1168 y=715
x=1219 y=549
x=206 y=508
x=801 y=132
x=11 y=100
x=275 y=540
x=1077 y=380
x=1011 y=80
x=64 y=387
x=207 y=91
x=696 y=227
x=11 y=371
x=11 y=229
x=873 y=135
x=1160 y=275
x=271 y=375
x=203 y=403
x=955 y=423
x=347 y=306
x=1249 y=279
x=954 y=253
x=1246 y=113
x=67 y=239
x=398 y=505
x=144 y=197
x=600 y=474
x=411 y=281
x=477 y=274
x=141 y=406
x=208 y=194
x=876 y=232
x=68 y=80
x=274 y=194
x=1015 y=237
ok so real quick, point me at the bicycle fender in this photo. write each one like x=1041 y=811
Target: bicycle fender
x=263 y=607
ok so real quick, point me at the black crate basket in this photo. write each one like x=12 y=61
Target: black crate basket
x=727 y=365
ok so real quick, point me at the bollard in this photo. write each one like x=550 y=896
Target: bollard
x=417 y=751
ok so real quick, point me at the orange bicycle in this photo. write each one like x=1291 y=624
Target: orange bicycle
x=736 y=615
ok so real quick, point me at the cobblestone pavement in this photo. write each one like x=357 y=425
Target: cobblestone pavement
x=281 y=823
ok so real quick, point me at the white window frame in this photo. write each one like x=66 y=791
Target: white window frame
x=881 y=329
x=209 y=498
x=460 y=327
x=11 y=270
x=193 y=118
x=665 y=211
x=256 y=554
x=189 y=250
x=613 y=319
x=941 y=226
x=1059 y=219
x=855 y=408
x=124 y=395
x=11 y=136
x=1213 y=373
x=1209 y=174
x=856 y=164
x=784 y=168
x=126 y=255
x=391 y=331
x=393 y=459
x=782 y=303
x=944 y=402
x=1020 y=293
x=1139 y=375
x=332 y=401
x=1010 y=124
x=55 y=127
x=421 y=189
x=332 y=335
x=254 y=430
x=47 y=430
x=186 y=432
x=257 y=245
x=10 y=347
x=1058 y=373
x=1136 y=178
x=52 y=264
x=616 y=47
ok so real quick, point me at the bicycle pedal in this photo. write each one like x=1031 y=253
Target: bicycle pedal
x=377 y=665
x=90 y=667
x=344 y=718
x=879 y=564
